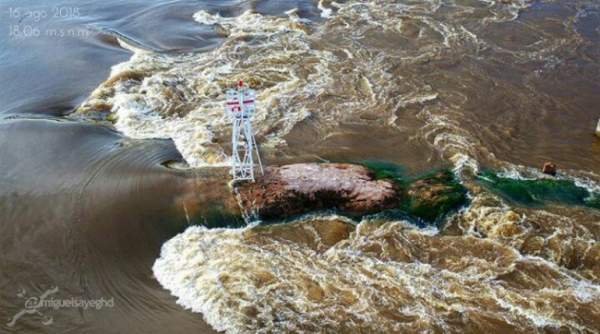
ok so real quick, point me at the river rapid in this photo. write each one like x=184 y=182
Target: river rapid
x=91 y=202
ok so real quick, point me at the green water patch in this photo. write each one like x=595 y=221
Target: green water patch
x=538 y=192
x=425 y=198
x=386 y=170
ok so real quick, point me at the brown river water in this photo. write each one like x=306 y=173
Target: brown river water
x=99 y=97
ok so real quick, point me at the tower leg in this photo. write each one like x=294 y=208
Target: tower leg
x=248 y=139
x=262 y=172
x=235 y=157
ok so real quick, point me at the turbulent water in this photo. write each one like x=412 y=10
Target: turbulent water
x=428 y=69
x=478 y=83
x=472 y=84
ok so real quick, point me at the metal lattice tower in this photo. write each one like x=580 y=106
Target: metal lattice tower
x=240 y=108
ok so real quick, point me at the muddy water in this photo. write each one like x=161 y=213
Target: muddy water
x=82 y=208
x=466 y=84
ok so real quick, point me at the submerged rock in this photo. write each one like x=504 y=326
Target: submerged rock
x=431 y=197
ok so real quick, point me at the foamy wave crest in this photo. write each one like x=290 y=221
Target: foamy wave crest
x=328 y=276
x=584 y=179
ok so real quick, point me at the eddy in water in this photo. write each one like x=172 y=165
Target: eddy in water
x=468 y=237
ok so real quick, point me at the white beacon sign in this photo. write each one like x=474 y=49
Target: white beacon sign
x=240 y=107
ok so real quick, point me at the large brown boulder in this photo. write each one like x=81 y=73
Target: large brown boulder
x=299 y=188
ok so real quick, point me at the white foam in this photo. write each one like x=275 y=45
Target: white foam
x=519 y=172
x=244 y=282
x=181 y=96
x=204 y=17
x=325 y=12
x=279 y=52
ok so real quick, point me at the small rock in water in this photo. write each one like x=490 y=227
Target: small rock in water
x=549 y=168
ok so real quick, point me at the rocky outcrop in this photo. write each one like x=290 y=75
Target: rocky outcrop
x=349 y=189
x=299 y=188
x=291 y=190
